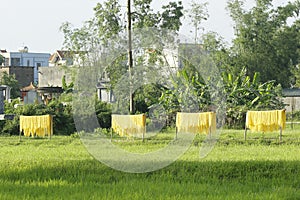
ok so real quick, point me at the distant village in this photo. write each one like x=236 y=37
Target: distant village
x=40 y=75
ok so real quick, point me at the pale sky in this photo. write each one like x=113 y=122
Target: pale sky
x=35 y=23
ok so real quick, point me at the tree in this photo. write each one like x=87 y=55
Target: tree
x=103 y=35
x=265 y=42
x=197 y=14
x=67 y=88
x=1 y=59
x=107 y=25
x=248 y=93
x=10 y=80
x=219 y=52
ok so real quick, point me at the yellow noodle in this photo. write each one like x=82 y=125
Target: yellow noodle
x=266 y=120
x=129 y=125
x=36 y=125
x=196 y=122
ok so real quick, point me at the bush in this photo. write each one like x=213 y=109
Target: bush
x=295 y=116
x=103 y=112
x=63 y=123
x=239 y=93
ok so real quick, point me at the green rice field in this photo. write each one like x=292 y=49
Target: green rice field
x=62 y=168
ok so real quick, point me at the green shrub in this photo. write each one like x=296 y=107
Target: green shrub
x=239 y=93
x=103 y=112
x=63 y=123
x=295 y=116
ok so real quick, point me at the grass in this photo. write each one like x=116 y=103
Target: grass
x=61 y=168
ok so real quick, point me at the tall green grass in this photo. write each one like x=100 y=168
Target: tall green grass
x=61 y=168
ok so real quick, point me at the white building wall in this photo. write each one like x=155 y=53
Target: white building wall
x=292 y=103
x=52 y=76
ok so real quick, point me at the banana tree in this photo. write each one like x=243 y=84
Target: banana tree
x=244 y=94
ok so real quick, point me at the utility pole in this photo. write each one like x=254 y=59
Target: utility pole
x=130 y=59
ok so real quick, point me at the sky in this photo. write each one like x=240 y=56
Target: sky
x=35 y=23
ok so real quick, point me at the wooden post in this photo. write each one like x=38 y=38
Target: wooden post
x=280 y=135
x=51 y=131
x=293 y=108
x=176 y=132
x=245 y=134
x=111 y=133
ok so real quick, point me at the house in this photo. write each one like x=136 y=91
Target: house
x=104 y=92
x=61 y=58
x=23 y=58
x=29 y=94
x=49 y=93
x=291 y=98
x=65 y=58
x=62 y=63
x=4 y=95
x=24 y=74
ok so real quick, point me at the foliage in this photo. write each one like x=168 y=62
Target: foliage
x=197 y=14
x=63 y=122
x=11 y=127
x=296 y=75
x=66 y=96
x=1 y=60
x=293 y=116
x=10 y=80
x=266 y=40
x=171 y=16
x=103 y=112
x=62 y=116
x=67 y=88
x=189 y=89
x=219 y=52
x=147 y=96
x=264 y=56
x=244 y=93
x=189 y=93
x=192 y=94
x=145 y=17
x=103 y=35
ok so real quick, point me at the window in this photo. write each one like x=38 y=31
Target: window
x=28 y=63
x=15 y=62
